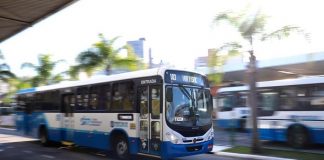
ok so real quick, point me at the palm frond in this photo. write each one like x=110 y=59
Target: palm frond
x=4 y=66
x=284 y=32
x=28 y=65
x=228 y=16
x=74 y=71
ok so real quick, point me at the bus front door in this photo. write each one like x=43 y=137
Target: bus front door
x=68 y=119
x=150 y=119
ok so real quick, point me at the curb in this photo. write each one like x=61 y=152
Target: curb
x=250 y=156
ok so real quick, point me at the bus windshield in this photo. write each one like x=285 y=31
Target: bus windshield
x=189 y=107
x=226 y=102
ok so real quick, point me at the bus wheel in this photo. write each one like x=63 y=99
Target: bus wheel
x=298 y=137
x=242 y=124
x=43 y=136
x=121 y=147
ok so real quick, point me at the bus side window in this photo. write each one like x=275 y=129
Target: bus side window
x=82 y=98
x=29 y=103
x=269 y=100
x=54 y=99
x=317 y=98
x=94 y=98
x=123 y=96
x=106 y=99
x=21 y=105
x=287 y=99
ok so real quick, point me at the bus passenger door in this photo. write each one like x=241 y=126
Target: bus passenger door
x=68 y=102
x=150 y=119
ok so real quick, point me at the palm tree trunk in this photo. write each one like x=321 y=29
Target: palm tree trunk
x=256 y=148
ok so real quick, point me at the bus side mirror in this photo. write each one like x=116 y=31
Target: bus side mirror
x=169 y=94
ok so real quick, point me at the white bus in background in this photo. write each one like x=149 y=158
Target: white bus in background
x=290 y=110
x=159 y=112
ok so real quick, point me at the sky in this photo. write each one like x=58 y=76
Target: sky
x=177 y=31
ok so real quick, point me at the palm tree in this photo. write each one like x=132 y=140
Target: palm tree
x=5 y=76
x=15 y=84
x=217 y=60
x=252 y=27
x=103 y=56
x=5 y=73
x=44 y=71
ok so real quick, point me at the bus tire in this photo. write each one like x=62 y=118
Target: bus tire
x=43 y=136
x=242 y=124
x=121 y=148
x=298 y=136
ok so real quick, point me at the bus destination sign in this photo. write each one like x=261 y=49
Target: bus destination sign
x=181 y=77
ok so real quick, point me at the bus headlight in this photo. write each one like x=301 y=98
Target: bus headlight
x=211 y=135
x=172 y=138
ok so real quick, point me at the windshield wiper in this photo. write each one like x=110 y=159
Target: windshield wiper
x=193 y=111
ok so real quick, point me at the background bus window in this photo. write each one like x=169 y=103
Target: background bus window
x=242 y=99
x=317 y=98
x=226 y=102
x=268 y=101
x=123 y=96
x=156 y=103
x=288 y=99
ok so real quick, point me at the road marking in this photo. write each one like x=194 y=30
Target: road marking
x=47 y=156
x=1 y=150
x=10 y=147
x=26 y=151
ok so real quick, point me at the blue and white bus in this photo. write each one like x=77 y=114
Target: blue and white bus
x=157 y=112
x=232 y=109
x=290 y=110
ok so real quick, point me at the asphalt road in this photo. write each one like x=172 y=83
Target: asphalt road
x=14 y=146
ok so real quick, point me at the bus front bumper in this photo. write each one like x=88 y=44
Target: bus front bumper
x=171 y=150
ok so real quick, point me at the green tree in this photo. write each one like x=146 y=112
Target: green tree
x=103 y=56
x=44 y=71
x=5 y=73
x=216 y=60
x=252 y=27
x=15 y=84
x=5 y=76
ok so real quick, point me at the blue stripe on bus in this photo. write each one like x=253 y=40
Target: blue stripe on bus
x=316 y=135
x=28 y=90
x=178 y=150
x=228 y=123
x=101 y=140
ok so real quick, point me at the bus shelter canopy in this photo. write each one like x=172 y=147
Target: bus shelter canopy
x=311 y=64
x=18 y=15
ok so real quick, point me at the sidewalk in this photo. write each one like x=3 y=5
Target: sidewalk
x=218 y=150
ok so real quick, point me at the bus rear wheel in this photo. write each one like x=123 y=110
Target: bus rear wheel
x=121 y=147
x=298 y=137
x=43 y=136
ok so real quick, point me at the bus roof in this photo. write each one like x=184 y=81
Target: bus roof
x=276 y=83
x=102 y=79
